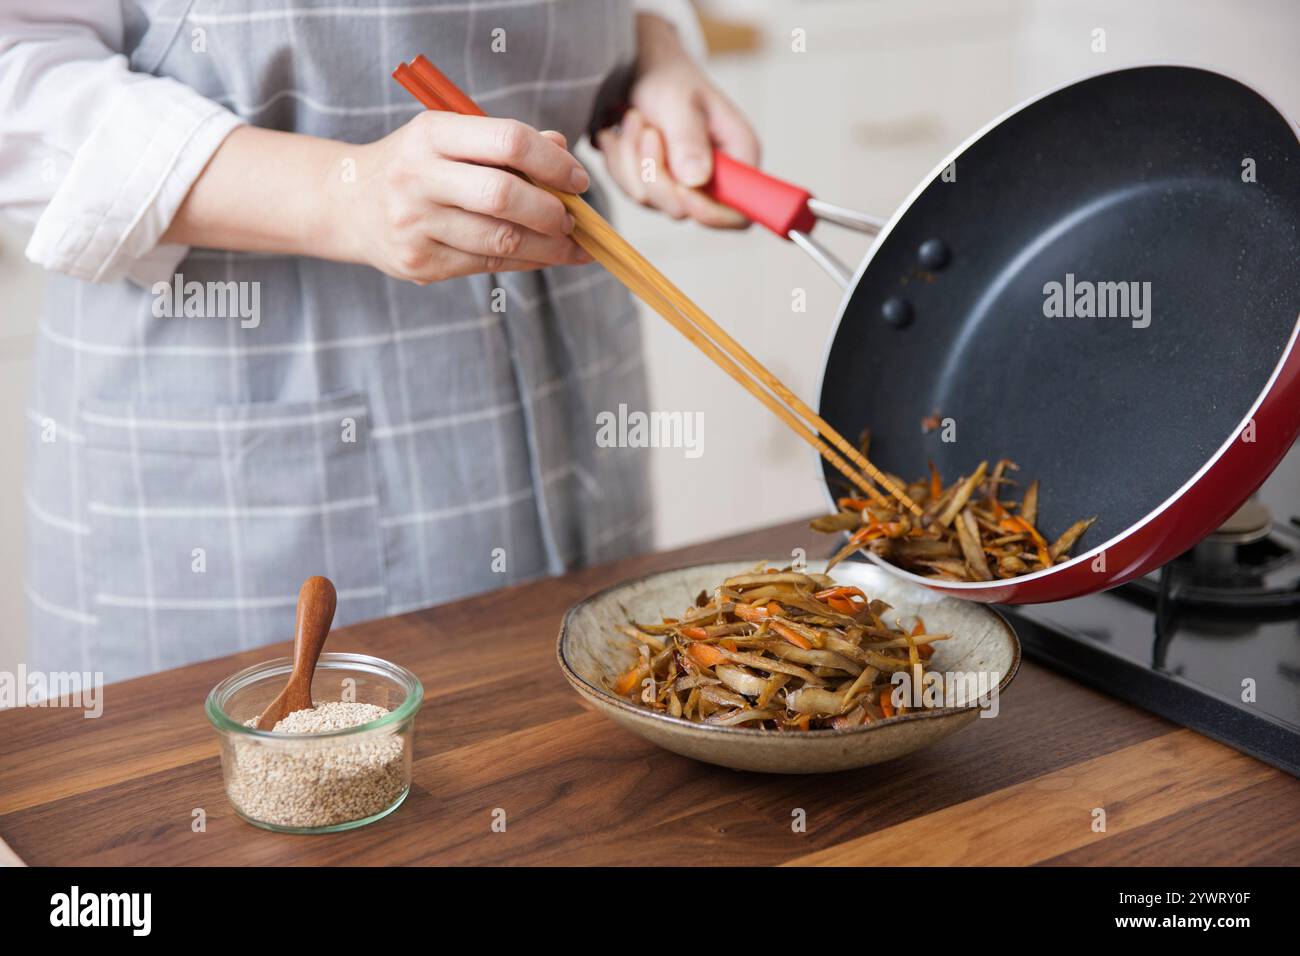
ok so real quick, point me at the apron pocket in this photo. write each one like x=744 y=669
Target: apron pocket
x=204 y=522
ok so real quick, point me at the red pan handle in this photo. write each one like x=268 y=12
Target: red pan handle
x=772 y=202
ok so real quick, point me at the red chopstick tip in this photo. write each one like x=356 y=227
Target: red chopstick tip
x=442 y=86
x=407 y=77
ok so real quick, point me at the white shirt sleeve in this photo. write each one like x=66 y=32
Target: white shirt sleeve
x=96 y=157
x=680 y=14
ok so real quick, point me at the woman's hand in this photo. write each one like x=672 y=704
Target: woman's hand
x=433 y=200
x=676 y=119
x=430 y=201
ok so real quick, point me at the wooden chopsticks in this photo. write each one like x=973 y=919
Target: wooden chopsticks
x=593 y=232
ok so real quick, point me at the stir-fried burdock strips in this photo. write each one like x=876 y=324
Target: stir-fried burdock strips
x=972 y=529
x=780 y=650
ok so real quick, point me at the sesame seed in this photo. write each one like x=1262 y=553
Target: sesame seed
x=316 y=783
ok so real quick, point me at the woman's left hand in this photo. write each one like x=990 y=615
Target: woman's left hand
x=662 y=150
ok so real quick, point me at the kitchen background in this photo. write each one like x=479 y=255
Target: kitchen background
x=885 y=89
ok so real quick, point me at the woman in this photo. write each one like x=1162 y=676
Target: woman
x=295 y=325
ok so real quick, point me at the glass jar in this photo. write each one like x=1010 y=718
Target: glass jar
x=317 y=782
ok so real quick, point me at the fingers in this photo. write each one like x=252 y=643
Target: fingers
x=733 y=134
x=436 y=261
x=619 y=146
x=630 y=129
x=484 y=236
x=499 y=194
x=731 y=131
x=506 y=143
x=452 y=263
x=686 y=131
x=634 y=141
x=705 y=211
x=453 y=199
x=636 y=159
x=660 y=189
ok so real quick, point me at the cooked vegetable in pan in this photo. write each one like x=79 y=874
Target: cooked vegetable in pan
x=971 y=530
x=778 y=650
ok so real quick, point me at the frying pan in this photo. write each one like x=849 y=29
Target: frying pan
x=1160 y=424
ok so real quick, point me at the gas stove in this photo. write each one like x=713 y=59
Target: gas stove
x=1211 y=640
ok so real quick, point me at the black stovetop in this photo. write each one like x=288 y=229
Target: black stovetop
x=1219 y=655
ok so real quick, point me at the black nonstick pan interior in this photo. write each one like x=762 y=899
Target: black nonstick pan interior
x=1133 y=176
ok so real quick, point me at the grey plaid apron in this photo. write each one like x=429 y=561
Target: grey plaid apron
x=412 y=444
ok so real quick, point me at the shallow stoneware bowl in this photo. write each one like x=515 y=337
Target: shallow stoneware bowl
x=592 y=653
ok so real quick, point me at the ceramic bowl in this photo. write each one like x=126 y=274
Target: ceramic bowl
x=592 y=653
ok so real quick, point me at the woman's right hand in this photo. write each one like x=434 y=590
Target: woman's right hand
x=434 y=199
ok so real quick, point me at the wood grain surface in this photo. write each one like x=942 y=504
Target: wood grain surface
x=501 y=730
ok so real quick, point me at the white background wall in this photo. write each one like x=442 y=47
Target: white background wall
x=883 y=92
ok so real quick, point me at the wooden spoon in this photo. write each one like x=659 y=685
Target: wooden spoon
x=316 y=602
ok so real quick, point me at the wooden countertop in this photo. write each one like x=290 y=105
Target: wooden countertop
x=500 y=728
